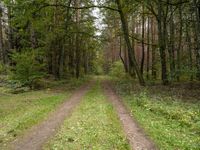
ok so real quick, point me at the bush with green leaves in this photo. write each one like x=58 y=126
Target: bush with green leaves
x=117 y=70
x=3 y=69
x=28 y=69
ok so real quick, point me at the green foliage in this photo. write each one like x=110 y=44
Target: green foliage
x=28 y=68
x=173 y=124
x=93 y=125
x=19 y=112
x=97 y=69
x=97 y=64
x=117 y=70
x=170 y=124
x=3 y=69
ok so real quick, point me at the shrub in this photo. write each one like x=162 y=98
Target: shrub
x=28 y=69
x=97 y=68
x=3 y=69
x=117 y=70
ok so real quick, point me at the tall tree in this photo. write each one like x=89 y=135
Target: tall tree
x=143 y=46
x=197 y=34
x=171 y=44
x=1 y=36
x=126 y=37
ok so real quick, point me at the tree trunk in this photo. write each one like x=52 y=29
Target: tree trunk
x=62 y=51
x=10 y=30
x=121 y=57
x=131 y=68
x=61 y=60
x=153 y=30
x=85 y=60
x=72 y=56
x=162 y=41
x=179 y=49
x=148 y=47
x=188 y=40
x=77 y=39
x=126 y=37
x=197 y=33
x=171 y=46
x=143 y=47
x=1 y=37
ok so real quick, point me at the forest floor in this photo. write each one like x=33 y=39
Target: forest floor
x=99 y=120
x=20 y=112
x=136 y=136
x=170 y=115
x=40 y=134
x=95 y=117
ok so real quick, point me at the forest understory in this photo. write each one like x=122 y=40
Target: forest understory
x=100 y=74
x=166 y=118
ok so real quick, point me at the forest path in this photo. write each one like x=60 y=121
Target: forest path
x=136 y=136
x=40 y=134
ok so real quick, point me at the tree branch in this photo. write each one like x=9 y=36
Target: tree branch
x=72 y=7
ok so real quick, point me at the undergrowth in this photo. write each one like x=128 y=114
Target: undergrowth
x=19 y=112
x=169 y=121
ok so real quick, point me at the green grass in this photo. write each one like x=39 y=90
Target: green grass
x=170 y=122
x=19 y=112
x=93 y=125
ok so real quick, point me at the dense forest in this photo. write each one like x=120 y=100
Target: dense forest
x=153 y=39
x=145 y=51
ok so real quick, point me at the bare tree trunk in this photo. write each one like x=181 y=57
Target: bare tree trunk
x=85 y=60
x=126 y=37
x=153 y=30
x=171 y=46
x=126 y=59
x=121 y=57
x=197 y=32
x=62 y=52
x=162 y=41
x=61 y=59
x=72 y=56
x=148 y=47
x=10 y=29
x=77 y=4
x=143 y=47
x=179 y=49
x=1 y=37
x=188 y=40
x=131 y=68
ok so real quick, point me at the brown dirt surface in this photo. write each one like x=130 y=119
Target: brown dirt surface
x=39 y=134
x=136 y=136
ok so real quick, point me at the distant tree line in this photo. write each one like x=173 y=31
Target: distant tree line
x=158 y=39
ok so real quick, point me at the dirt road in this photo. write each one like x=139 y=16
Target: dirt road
x=137 y=139
x=39 y=134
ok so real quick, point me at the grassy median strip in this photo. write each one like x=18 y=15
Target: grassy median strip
x=19 y=112
x=93 y=125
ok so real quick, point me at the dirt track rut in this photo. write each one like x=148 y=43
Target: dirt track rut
x=137 y=139
x=39 y=134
